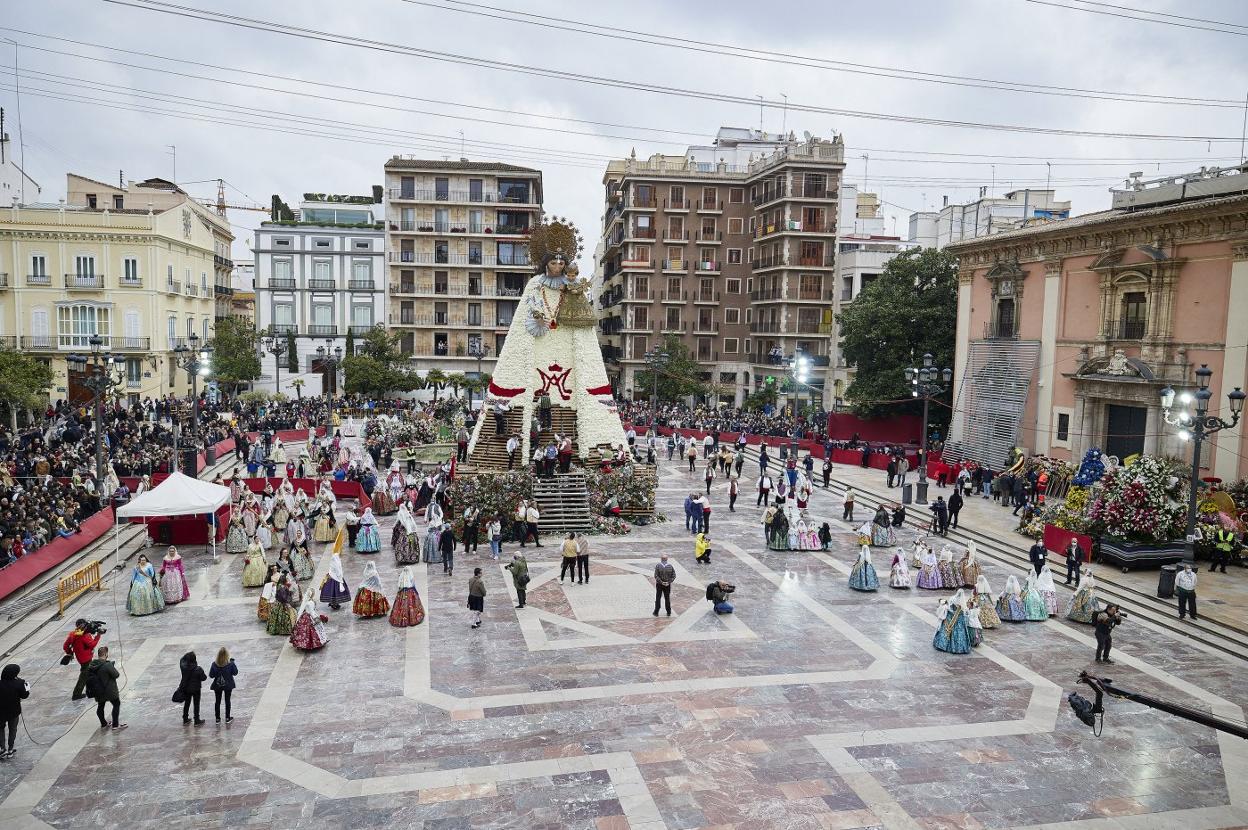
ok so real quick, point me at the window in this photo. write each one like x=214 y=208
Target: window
x=130 y=269
x=732 y=286
x=284 y=313
x=476 y=190
x=84 y=265
x=513 y=253
x=730 y=345
x=1134 y=315
x=474 y=283
x=132 y=324
x=363 y=245
x=321 y=270
x=169 y=275
x=134 y=370
x=474 y=314
x=734 y=256
x=320 y=243
x=1063 y=426
x=710 y=198
x=749 y=254
x=75 y=324
x=203 y=282
x=441 y=189
x=673 y=319
x=407 y=187
x=673 y=288
x=362 y=270
x=362 y=315
x=747 y=345
x=39 y=266
x=322 y=311
x=441 y=282
x=749 y=315
x=641 y=318
x=439 y=314
x=190 y=326
x=118 y=203
x=708 y=227
x=810 y=287
x=476 y=221
x=206 y=335
x=732 y=315
x=676 y=196
x=283 y=269
x=474 y=253
x=91 y=201
x=736 y=195
x=736 y=225
x=172 y=332
x=442 y=252
x=281 y=242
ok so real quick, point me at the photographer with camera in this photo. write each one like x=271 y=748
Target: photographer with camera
x=1106 y=620
x=13 y=690
x=717 y=592
x=80 y=645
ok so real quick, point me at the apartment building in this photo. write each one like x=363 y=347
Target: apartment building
x=457 y=235
x=730 y=247
x=319 y=275
x=985 y=216
x=243 y=283
x=130 y=265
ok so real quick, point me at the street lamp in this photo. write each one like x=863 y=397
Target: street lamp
x=198 y=363
x=799 y=371
x=276 y=346
x=1198 y=427
x=101 y=376
x=926 y=382
x=656 y=359
x=329 y=361
x=480 y=351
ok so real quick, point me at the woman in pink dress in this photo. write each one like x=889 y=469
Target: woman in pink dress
x=173 y=583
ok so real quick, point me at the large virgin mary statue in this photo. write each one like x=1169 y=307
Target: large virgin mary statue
x=552 y=349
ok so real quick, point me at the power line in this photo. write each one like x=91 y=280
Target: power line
x=1164 y=14
x=808 y=61
x=603 y=81
x=1138 y=16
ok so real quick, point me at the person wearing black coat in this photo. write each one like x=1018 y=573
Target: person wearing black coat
x=955 y=505
x=222 y=671
x=193 y=678
x=13 y=690
x=446 y=544
x=1038 y=554
x=940 y=515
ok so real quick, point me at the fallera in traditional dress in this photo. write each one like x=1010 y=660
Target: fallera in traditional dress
x=863 y=576
x=368 y=540
x=882 y=535
x=1010 y=603
x=899 y=575
x=952 y=633
x=281 y=516
x=986 y=604
x=929 y=573
x=236 y=540
x=267 y=594
x=948 y=578
x=974 y=627
x=334 y=590
x=970 y=571
x=144 y=597
x=383 y=502
x=281 y=616
x=408 y=610
x=309 y=632
x=1033 y=605
x=250 y=521
x=369 y=603
x=256 y=568
x=1084 y=604
x=1044 y=584
x=173 y=584
x=406 y=546
x=324 y=529
x=264 y=535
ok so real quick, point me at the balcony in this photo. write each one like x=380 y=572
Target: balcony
x=638 y=203
x=710 y=237
x=361 y=285
x=767 y=327
x=38 y=279
x=4 y=281
x=219 y=288
x=319 y=284
x=640 y=233
x=487 y=260
x=222 y=262
x=178 y=342
x=707 y=297
x=175 y=286
x=131 y=344
x=403 y=288
x=705 y=327
x=468 y=196
x=672 y=327
x=84 y=282
x=809 y=191
x=360 y=328
x=677 y=206
x=673 y=235
x=767 y=262
x=38 y=343
x=278 y=328
x=192 y=290
x=1005 y=329
x=710 y=206
x=675 y=266
x=765 y=294
x=511 y=230
x=707 y=267
x=1130 y=328
x=674 y=297
x=322 y=330
x=134 y=383
x=637 y=264
x=130 y=282
x=639 y=297
x=770 y=194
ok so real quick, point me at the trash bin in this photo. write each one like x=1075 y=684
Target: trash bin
x=905 y=494
x=210 y=456
x=1165 y=581
x=921 y=495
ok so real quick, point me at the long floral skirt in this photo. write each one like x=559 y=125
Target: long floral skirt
x=953 y=635
x=406 y=547
x=383 y=502
x=255 y=571
x=368 y=540
x=1010 y=609
x=1083 y=606
x=324 y=530
x=948 y=579
x=369 y=603
x=144 y=599
x=236 y=539
x=262 y=609
x=863 y=577
x=899 y=578
x=309 y=633
x=279 y=622
x=987 y=611
x=173 y=586
x=929 y=578
x=408 y=609
x=334 y=592
x=1033 y=605
x=302 y=564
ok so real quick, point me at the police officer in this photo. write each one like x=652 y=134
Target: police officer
x=1222 y=549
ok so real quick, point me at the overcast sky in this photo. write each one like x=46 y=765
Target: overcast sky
x=1001 y=40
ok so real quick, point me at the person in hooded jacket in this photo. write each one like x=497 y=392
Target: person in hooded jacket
x=13 y=690
x=192 y=684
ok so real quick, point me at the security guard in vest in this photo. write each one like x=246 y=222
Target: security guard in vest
x=1222 y=549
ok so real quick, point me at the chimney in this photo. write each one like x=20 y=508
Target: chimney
x=944 y=202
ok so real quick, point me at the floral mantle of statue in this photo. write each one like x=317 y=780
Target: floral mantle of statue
x=552 y=349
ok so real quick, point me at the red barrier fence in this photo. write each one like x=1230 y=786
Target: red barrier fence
x=54 y=553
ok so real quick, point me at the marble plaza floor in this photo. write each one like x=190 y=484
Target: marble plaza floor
x=812 y=706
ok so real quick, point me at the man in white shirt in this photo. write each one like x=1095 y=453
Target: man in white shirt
x=707 y=443
x=513 y=445
x=531 y=517
x=1185 y=587
x=764 y=490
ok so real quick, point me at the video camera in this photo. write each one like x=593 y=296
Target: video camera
x=93 y=627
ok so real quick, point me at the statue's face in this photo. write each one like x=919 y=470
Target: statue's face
x=556 y=266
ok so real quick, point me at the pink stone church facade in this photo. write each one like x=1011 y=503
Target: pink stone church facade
x=1068 y=331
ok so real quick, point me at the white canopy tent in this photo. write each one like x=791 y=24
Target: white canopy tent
x=177 y=495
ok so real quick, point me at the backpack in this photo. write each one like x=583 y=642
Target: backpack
x=94 y=685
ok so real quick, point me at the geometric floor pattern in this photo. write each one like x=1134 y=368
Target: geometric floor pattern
x=812 y=706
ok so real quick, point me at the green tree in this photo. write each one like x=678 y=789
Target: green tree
x=437 y=380
x=298 y=384
x=457 y=381
x=909 y=310
x=24 y=382
x=292 y=353
x=679 y=377
x=374 y=368
x=235 y=353
x=379 y=345
x=350 y=350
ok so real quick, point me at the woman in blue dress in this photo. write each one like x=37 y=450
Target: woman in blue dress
x=144 y=597
x=1033 y=601
x=952 y=633
x=368 y=540
x=863 y=576
x=1010 y=604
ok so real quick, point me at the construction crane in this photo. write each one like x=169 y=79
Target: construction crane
x=221 y=206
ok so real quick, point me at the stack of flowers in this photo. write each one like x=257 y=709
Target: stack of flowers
x=1091 y=469
x=632 y=493
x=1137 y=503
x=492 y=493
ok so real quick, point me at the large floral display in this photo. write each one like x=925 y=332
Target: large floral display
x=552 y=350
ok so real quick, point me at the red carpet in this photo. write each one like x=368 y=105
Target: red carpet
x=51 y=555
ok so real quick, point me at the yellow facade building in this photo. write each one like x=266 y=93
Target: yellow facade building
x=135 y=265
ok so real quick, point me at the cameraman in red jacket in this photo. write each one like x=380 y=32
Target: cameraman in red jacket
x=81 y=644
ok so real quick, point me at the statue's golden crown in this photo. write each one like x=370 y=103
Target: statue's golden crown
x=555 y=235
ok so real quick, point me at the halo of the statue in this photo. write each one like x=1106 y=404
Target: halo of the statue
x=551 y=237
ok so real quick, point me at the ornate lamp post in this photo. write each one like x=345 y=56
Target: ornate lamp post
x=102 y=374
x=198 y=363
x=330 y=361
x=276 y=346
x=1198 y=427
x=799 y=371
x=480 y=351
x=656 y=359
x=926 y=382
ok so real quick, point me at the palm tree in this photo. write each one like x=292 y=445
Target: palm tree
x=437 y=379
x=298 y=384
x=457 y=381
